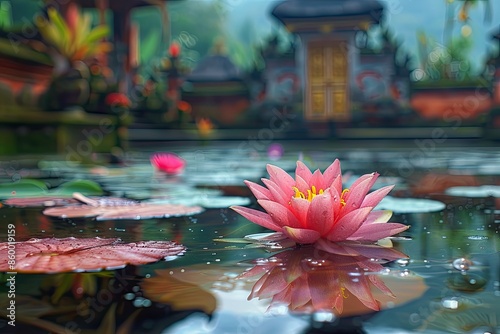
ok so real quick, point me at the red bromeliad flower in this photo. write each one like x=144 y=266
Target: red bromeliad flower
x=174 y=49
x=314 y=206
x=117 y=100
x=169 y=163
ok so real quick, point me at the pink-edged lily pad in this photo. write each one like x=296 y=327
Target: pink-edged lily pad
x=109 y=208
x=40 y=201
x=54 y=255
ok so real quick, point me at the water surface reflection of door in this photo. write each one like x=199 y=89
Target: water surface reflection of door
x=327 y=81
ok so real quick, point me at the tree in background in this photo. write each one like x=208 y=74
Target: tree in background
x=450 y=58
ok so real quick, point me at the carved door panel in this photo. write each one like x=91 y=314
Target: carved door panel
x=327 y=81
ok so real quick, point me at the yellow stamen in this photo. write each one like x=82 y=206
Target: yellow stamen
x=298 y=193
x=311 y=193
x=342 y=201
x=344 y=294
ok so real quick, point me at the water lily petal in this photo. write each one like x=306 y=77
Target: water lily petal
x=301 y=184
x=257 y=217
x=356 y=194
x=317 y=180
x=258 y=191
x=335 y=197
x=381 y=285
x=331 y=173
x=374 y=232
x=373 y=198
x=320 y=216
x=300 y=207
x=277 y=193
x=274 y=283
x=303 y=171
x=280 y=215
x=337 y=185
x=283 y=297
x=282 y=179
x=362 y=178
x=299 y=293
x=348 y=224
x=361 y=289
x=300 y=235
x=324 y=289
x=379 y=216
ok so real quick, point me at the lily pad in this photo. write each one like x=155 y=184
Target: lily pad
x=481 y=191
x=23 y=188
x=107 y=209
x=22 y=202
x=82 y=186
x=410 y=205
x=34 y=188
x=53 y=255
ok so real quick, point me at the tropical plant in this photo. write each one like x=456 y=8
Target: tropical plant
x=73 y=37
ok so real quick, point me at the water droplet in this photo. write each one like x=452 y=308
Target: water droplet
x=129 y=296
x=450 y=303
x=138 y=302
x=462 y=264
x=403 y=262
x=324 y=316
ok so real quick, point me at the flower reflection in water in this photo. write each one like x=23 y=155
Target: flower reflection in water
x=324 y=277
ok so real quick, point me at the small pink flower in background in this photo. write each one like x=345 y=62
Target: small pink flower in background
x=275 y=151
x=314 y=206
x=169 y=163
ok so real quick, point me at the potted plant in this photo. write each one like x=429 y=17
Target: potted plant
x=71 y=40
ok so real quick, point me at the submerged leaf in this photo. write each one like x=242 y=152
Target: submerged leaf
x=53 y=255
x=182 y=296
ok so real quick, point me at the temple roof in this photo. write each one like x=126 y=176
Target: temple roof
x=313 y=9
x=214 y=68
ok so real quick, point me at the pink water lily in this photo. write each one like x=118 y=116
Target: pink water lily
x=169 y=163
x=314 y=206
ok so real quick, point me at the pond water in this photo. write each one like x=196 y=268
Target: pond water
x=450 y=282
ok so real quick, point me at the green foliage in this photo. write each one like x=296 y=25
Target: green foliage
x=195 y=25
x=5 y=15
x=150 y=47
x=73 y=37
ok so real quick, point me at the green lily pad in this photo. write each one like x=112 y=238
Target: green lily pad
x=34 y=188
x=23 y=188
x=85 y=187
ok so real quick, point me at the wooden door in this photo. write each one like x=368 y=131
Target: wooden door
x=327 y=67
